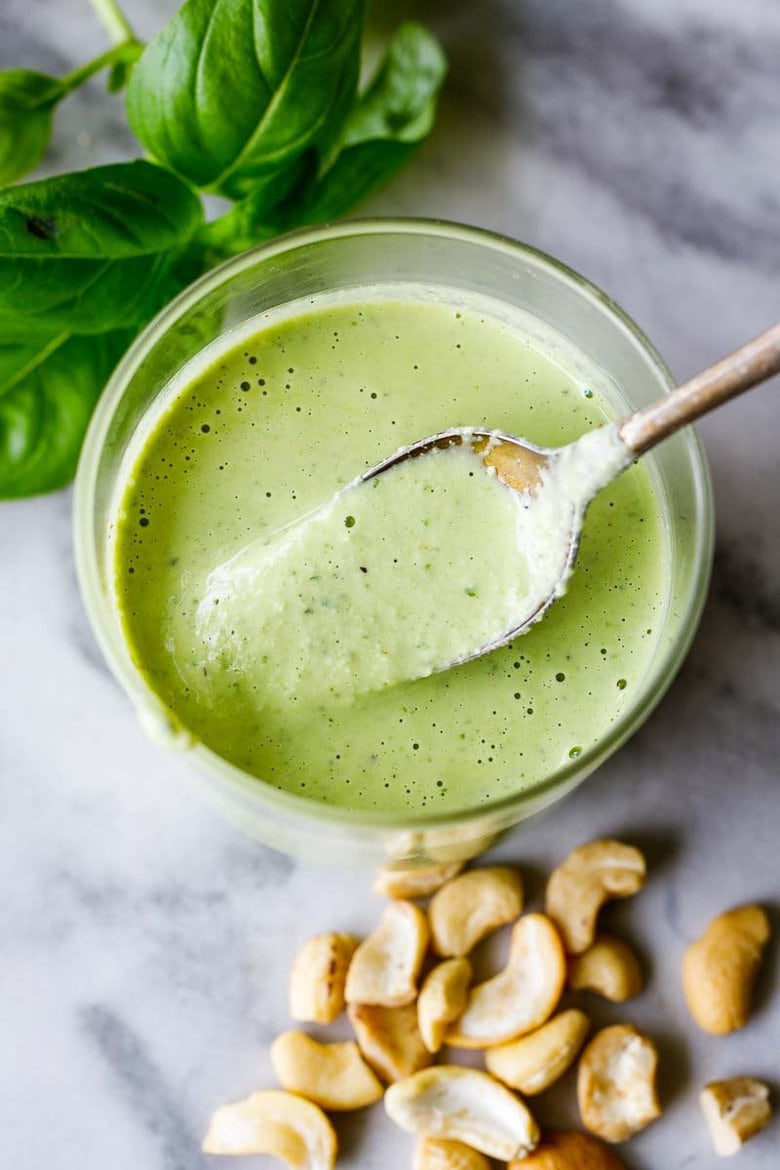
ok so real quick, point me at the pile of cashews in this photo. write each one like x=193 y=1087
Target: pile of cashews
x=408 y=991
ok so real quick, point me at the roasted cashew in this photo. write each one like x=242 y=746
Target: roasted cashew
x=413 y=881
x=276 y=1123
x=390 y=1039
x=569 y=1150
x=318 y=975
x=385 y=966
x=333 y=1076
x=735 y=1111
x=522 y=996
x=438 y=846
x=472 y=905
x=442 y=999
x=720 y=968
x=616 y=1083
x=439 y=1154
x=591 y=875
x=609 y=967
x=466 y=1106
x=535 y=1061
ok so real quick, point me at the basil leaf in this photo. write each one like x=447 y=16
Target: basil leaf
x=400 y=103
x=259 y=215
x=27 y=101
x=389 y=122
x=91 y=251
x=233 y=92
x=386 y=126
x=46 y=399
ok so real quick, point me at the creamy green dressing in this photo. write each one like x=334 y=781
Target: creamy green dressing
x=389 y=581
x=284 y=621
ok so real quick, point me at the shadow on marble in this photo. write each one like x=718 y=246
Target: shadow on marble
x=661 y=847
x=675 y=1062
x=535 y=879
x=352 y=1132
x=768 y=979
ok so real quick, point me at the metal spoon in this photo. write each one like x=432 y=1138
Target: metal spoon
x=525 y=467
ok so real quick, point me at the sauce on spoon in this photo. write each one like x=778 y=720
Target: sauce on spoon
x=445 y=551
x=420 y=564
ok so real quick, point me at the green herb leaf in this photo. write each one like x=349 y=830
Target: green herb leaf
x=27 y=101
x=46 y=398
x=254 y=99
x=387 y=125
x=119 y=76
x=234 y=91
x=259 y=215
x=91 y=251
x=95 y=252
x=400 y=103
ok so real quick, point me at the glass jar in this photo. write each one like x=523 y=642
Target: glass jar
x=330 y=260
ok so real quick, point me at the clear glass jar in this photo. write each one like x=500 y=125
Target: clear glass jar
x=332 y=259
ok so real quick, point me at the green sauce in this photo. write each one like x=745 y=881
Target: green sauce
x=392 y=579
x=271 y=431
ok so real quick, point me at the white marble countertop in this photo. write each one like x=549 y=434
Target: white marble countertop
x=145 y=943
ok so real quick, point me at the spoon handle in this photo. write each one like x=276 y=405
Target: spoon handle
x=753 y=362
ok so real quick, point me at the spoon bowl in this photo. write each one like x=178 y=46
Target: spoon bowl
x=558 y=484
x=518 y=463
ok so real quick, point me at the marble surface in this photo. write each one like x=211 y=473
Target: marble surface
x=145 y=943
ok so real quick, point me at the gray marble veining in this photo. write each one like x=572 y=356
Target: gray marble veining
x=145 y=944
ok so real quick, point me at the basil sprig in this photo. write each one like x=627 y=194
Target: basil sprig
x=255 y=100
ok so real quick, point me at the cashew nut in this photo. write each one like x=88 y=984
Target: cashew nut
x=522 y=996
x=440 y=1154
x=317 y=978
x=616 y=1083
x=390 y=1039
x=385 y=966
x=465 y=1105
x=591 y=875
x=276 y=1123
x=720 y=968
x=472 y=905
x=609 y=967
x=442 y=999
x=438 y=846
x=413 y=882
x=535 y=1061
x=569 y=1150
x=735 y=1111
x=333 y=1076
